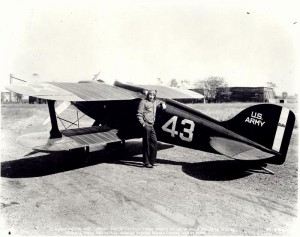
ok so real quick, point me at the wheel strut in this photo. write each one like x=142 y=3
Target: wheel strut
x=54 y=132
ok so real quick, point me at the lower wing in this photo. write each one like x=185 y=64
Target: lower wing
x=95 y=138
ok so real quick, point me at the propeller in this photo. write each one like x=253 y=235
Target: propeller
x=61 y=108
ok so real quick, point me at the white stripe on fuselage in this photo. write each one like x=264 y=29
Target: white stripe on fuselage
x=280 y=129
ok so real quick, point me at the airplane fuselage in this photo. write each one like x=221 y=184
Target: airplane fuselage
x=177 y=124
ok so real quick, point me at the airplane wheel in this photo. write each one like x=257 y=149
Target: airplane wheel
x=79 y=155
x=118 y=151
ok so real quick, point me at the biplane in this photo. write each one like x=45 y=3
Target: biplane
x=259 y=133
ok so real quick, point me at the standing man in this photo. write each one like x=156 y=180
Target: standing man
x=146 y=116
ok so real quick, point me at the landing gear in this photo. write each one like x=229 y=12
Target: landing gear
x=79 y=155
x=54 y=133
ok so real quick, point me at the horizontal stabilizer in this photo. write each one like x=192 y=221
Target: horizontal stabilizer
x=96 y=138
x=238 y=150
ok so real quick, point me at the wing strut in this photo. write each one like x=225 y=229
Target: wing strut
x=54 y=133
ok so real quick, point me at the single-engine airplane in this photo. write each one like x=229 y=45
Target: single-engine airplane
x=259 y=133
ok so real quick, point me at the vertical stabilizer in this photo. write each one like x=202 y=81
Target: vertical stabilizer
x=267 y=124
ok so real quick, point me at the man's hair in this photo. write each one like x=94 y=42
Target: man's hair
x=151 y=92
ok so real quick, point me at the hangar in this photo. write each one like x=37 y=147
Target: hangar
x=245 y=94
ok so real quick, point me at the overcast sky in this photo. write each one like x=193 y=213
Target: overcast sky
x=248 y=43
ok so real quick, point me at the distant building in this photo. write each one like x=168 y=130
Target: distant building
x=201 y=92
x=11 y=97
x=5 y=97
x=247 y=94
x=34 y=100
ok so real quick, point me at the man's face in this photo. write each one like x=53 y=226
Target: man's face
x=151 y=96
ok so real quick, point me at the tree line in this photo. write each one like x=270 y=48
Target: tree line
x=211 y=87
x=214 y=87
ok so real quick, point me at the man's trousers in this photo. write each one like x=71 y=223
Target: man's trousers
x=149 y=145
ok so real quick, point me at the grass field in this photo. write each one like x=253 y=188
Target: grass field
x=224 y=111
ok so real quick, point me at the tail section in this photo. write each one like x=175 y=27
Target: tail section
x=267 y=124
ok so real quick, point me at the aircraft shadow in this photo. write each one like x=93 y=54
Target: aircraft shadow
x=221 y=170
x=48 y=164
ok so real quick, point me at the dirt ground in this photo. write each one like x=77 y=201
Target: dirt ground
x=189 y=192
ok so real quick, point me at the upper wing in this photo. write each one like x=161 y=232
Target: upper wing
x=163 y=91
x=173 y=92
x=43 y=90
x=96 y=91
x=91 y=91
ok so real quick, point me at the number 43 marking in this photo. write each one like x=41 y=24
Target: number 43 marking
x=186 y=135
